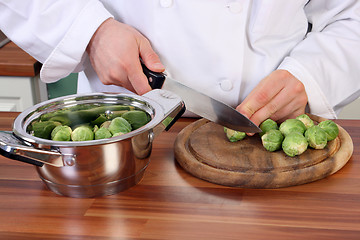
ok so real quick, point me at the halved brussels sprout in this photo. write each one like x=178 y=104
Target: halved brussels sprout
x=233 y=135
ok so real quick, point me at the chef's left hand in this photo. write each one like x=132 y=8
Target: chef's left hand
x=278 y=96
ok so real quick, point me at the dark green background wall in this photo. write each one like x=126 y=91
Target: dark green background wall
x=63 y=87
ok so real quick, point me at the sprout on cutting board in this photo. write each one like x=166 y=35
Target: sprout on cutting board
x=233 y=135
x=61 y=133
x=272 y=140
x=267 y=125
x=292 y=125
x=316 y=137
x=294 y=144
x=82 y=133
x=307 y=121
x=331 y=129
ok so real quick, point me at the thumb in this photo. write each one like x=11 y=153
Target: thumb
x=150 y=58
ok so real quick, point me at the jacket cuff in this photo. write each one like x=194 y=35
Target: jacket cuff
x=70 y=54
x=317 y=101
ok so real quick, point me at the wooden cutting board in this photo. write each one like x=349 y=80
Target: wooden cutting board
x=203 y=150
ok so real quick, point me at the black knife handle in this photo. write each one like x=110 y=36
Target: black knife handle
x=155 y=79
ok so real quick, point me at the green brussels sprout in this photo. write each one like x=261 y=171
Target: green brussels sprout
x=44 y=129
x=106 y=124
x=233 y=135
x=272 y=140
x=136 y=118
x=99 y=120
x=292 y=125
x=307 y=121
x=82 y=133
x=64 y=120
x=267 y=125
x=117 y=134
x=102 y=133
x=119 y=124
x=331 y=129
x=61 y=133
x=294 y=144
x=316 y=137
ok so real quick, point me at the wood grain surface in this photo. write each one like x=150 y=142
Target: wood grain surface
x=203 y=150
x=15 y=62
x=169 y=203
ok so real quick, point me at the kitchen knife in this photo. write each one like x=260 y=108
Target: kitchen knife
x=202 y=104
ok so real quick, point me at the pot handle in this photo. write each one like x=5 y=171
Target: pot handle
x=14 y=148
x=167 y=99
x=171 y=103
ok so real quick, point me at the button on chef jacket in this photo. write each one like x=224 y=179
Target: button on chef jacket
x=221 y=47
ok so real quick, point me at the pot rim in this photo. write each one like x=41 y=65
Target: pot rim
x=27 y=116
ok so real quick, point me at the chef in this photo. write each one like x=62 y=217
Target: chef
x=266 y=58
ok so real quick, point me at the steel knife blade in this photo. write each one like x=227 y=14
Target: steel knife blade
x=202 y=104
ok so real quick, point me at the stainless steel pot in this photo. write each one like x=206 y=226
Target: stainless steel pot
x=92 y=168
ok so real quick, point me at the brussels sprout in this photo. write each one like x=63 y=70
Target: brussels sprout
x=307 y=121
x=102 y=133
x=292 y=125
x=294 y=144
x=233 y=135
x=316 y=137
x=82 y=133
x=44 y=129
x=61 y=133
x=331 y=129
x=119 y=124
x=99 y=120
x=64 y=120
x=267 y=125
x=117 y=134
x=106 y=124
x=136 y=118
x=272 y=140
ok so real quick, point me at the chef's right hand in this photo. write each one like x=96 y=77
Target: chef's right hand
x=115 y=50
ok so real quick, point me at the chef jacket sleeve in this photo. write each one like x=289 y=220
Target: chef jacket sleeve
x=55 y=32
x=327 y=60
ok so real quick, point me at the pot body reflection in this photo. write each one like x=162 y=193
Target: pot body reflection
x=98 y=167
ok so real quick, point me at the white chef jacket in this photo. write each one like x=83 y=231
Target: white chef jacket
x=220 y=47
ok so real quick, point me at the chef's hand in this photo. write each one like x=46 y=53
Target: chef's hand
x=278 y=96
x=114 y=52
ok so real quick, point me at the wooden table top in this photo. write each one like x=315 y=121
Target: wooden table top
x=15 y=62
x=171 y=204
